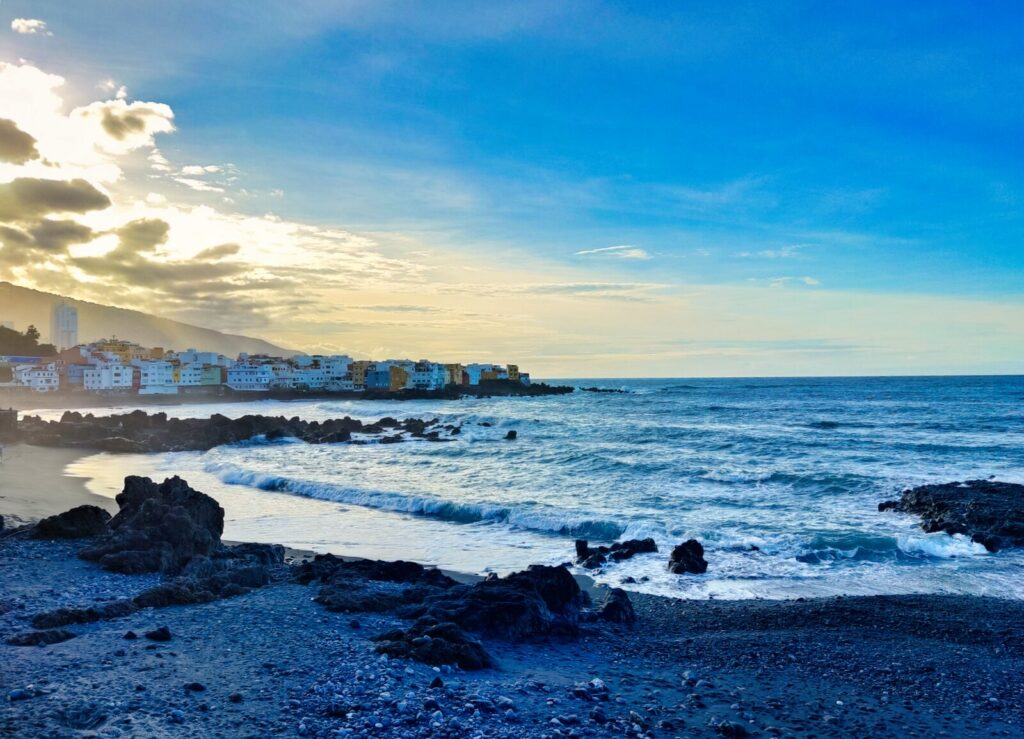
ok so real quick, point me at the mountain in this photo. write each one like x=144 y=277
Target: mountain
x=23 y=306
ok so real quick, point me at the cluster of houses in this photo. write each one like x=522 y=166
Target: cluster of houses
x=116 y=365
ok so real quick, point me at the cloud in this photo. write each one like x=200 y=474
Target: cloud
x=124 y=126
x=30 y=26
x=216 y=253
x=16 y=146
x=58 y=235
x=25 y=198
x=623 y=251
x=198 y=170
x=785 y=252
x=142 y=235
x=198 y=185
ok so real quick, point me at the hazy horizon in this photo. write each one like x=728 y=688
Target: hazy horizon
x=585 y=189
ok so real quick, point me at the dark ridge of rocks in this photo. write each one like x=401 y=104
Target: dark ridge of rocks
x=602 y=390
x=68 y=616
x=347 y=586
x=435 y=644
x=688 y=557
x=78 y=523
x=159 y=528
x=40 y=638
x=593 y=557
x=141 y=432
x=991 y=513
x=538 y=601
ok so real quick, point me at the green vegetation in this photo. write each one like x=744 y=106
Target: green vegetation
x=24 y=344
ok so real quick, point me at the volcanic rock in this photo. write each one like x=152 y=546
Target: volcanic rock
x=159 y=528
x=77 y=523
x=991 y=513
x=688 y=557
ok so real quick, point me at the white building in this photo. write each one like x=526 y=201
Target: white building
x=64 y=326
x=190 y=375
x=191 y=356
x=250 y=377
x=109 y=376
x=42 y=378
x=156 y=377
x=428 y=375
x=474 y=371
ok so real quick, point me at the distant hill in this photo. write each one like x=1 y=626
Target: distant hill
x=24 y=306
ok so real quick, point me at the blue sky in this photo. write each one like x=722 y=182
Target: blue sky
x=871 y=148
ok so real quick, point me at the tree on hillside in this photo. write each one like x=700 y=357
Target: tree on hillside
x=24 y=345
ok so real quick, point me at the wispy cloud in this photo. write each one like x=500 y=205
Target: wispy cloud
x=785 y=252
x=622 y=251
x=30 y=26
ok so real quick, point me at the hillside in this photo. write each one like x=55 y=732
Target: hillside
x=24 y=306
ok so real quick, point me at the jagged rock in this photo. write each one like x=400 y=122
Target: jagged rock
x=688 y=557
x=536 y=601
x=991 y=513
x=435 y=644
x=159 y=528
x=511 y=435
x=77 y=523
x=593 y=557
x=38 y=638
x=617 y=608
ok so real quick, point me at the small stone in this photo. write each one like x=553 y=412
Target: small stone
x=437 y=682
x=20 y=694
x=130 y=635
x=159 y=634
x=177 y=716
x=195 y=687
x=235 y=697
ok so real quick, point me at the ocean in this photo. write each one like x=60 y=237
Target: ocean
x=780 y=479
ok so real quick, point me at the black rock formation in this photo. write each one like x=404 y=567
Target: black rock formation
x=593 y=557
x=78 y=523
x=159 y=528
x=688 y=557
x=991 y=513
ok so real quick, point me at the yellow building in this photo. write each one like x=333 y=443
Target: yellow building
x=489 y=375
x=453 y=374
x=513 y=372
x=358 y=370
x=399 y=379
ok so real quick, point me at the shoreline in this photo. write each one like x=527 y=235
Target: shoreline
x=273 y=661
x=34 y=483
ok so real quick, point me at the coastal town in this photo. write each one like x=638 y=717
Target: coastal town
x=119 y=366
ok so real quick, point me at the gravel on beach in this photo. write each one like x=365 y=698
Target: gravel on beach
x=272 y=662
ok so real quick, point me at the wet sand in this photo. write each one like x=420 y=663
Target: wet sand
x=33 y=483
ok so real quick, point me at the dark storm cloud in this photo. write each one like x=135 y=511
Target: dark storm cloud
x=27 y=198
x=16 y=146
x=124 y=125
x=144 y=234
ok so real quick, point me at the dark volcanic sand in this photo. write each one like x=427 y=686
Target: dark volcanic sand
x=866 y=666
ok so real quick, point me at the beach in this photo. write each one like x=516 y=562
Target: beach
x=34 y=483
x=273 y=661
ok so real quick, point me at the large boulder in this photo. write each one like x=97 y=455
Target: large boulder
x=688 y=557
x=159 y=528
x=435 y=644
x=991 y=513
x=78 y=523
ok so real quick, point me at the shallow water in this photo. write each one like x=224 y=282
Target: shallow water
x=793 y=467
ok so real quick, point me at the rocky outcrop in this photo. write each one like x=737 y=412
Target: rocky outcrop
x=139 y=432
x=40 y=638
x=159 y=528
x=540 y=600
x=991 y=513
x=688 y=557
x=79 y=523
x=593 y=557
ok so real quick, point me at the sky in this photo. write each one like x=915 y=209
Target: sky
x=587 y=189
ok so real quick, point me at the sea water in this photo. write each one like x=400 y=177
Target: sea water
x=780 y=479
